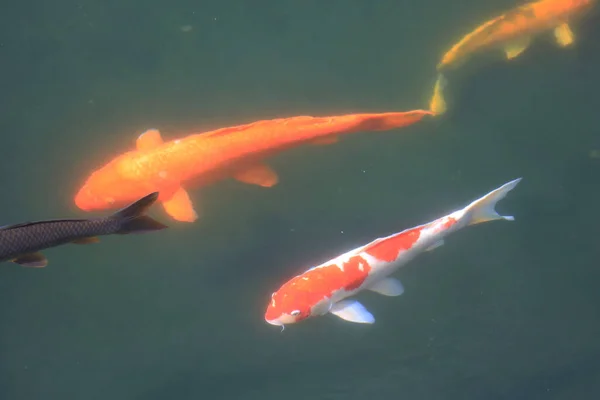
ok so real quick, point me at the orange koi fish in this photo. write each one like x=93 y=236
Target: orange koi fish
x=326 y=288
x=512 y=32
x=204 y=158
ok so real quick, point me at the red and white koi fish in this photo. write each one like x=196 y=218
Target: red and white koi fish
x=324 y=289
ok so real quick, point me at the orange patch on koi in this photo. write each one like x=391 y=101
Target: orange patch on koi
x=449 y=222
x=388 y=249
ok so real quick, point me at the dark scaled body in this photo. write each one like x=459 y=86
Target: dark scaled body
x=21 y=243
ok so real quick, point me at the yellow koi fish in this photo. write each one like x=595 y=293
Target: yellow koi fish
x=512 y=32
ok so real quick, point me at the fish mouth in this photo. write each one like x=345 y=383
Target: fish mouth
x=81 y=204
x=274 y=322
x=81 y=199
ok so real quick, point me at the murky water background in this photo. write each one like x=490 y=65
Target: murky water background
x=502 y=311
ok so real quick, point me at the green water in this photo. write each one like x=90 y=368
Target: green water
x=502 y=311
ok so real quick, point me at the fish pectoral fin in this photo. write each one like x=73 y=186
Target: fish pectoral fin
x=87 y=240
x=435 y=245
x=149 y=140
x=180 y=207
x=33 y=260
x=517 y=46
x=564 y=35
x=352 y=311
x=257 y=174
x=324 y=141
x=388 y=287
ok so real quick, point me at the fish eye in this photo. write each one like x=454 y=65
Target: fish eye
x=295 y=313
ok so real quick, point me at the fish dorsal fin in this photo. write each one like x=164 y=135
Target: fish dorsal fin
x=19 y=225
x=388 y=287
x=257 y=174
x=32 y=260
x=149 y=140
x=515 y=47
x=564 y=35
x=30 y=223
x=352 y=311
x=232 y=129
x=180 y=207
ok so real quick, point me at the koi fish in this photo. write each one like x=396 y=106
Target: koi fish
x=21 y=243
x=204 y=158
x=326 y=288
x=512 y=32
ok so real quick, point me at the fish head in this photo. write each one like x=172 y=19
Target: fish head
x=109 y=187
x=296 y=301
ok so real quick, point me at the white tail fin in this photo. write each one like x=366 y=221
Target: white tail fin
x=483 y=209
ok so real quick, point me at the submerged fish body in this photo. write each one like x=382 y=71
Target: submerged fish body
x=22 y=243
x=512 y=32
x=327 y=288
x=201 y=159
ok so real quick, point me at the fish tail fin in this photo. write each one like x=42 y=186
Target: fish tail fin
x=484 y=209
x=437 y=105
x=133 y=219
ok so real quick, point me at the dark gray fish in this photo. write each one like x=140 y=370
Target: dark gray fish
x=21 y=243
